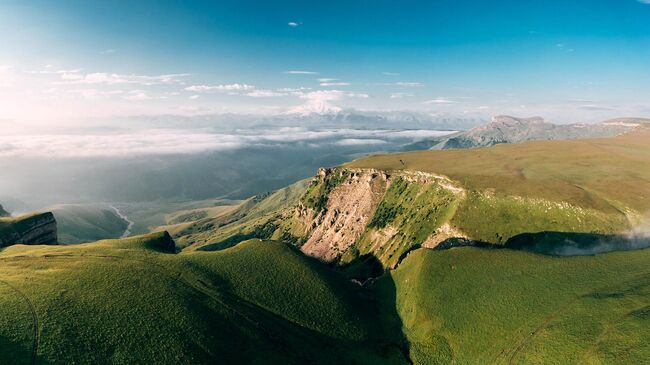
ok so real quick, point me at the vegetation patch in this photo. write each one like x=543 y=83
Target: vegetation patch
x=319 y=188
x=408 y=214
x=495 y=218
x=470 y=305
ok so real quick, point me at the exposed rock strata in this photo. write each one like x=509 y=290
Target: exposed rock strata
x=33 y=229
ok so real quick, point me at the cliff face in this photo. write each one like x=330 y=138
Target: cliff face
x=353 y=214
x=3 y=213
x=33 y=229
x=350 y=213
x=350 y=205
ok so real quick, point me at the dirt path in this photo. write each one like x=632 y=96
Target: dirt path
x=35 y=334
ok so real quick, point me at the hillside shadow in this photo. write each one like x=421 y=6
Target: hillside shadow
x=555 y=243
x=378 y=292
x=14 y=353
x=576 y=244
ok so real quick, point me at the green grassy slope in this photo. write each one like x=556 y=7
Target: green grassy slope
x=591 y=173
x=254 y=218
x=590 y=186
x=87 y=223
x=147 y=216
x=480 y=306
x=128 y=301
x=133 y=301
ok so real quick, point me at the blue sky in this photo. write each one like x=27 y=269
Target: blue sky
x=582 y=60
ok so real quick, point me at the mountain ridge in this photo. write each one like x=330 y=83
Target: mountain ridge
x=507 y=129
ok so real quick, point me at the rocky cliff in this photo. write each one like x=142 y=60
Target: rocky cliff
x=350 y=213
x=3 y=213
x=33 y=229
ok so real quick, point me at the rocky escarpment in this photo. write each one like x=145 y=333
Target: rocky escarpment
x=338 y=222
x=34 y=229
x=350 y=213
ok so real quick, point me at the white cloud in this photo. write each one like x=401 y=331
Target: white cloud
x=265 y=93
x=141 y=143
x=92 y=94
x=301 y=72
x=50 y=70
x=359 y=142
x=581 y=101
x=334 y=84
x=6 y=76
x=193 y=97
x=595 y=107
x=293 y=24
x=220 y=88
x=68 y=76
x=113 y=79
x=174 y=141
x=644 y=1
x=293 y=89
x=400 y=95
x=390 y=73
x=440 y=101
x=108 y=51
x=325 y=79
x=321 y=101
x=408 y=84
x=139 y=95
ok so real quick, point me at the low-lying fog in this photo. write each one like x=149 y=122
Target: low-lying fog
x=146 y=159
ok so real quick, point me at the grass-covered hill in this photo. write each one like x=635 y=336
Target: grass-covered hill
x=485 y=306
x=78 y=223
x=589 y=195
x=135 y=301
x=231 y=222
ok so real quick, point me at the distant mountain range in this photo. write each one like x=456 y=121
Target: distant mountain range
x=507 y=129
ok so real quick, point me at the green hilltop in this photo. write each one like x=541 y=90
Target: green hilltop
x=134 y=301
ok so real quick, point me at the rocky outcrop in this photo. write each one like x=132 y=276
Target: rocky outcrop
x=34 y=229
x=350 y=206
x=3 y=213
x=349 y=213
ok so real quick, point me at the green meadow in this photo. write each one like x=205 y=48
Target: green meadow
x=135 y=301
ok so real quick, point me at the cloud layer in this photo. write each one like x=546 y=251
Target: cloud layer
x=175 y=141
